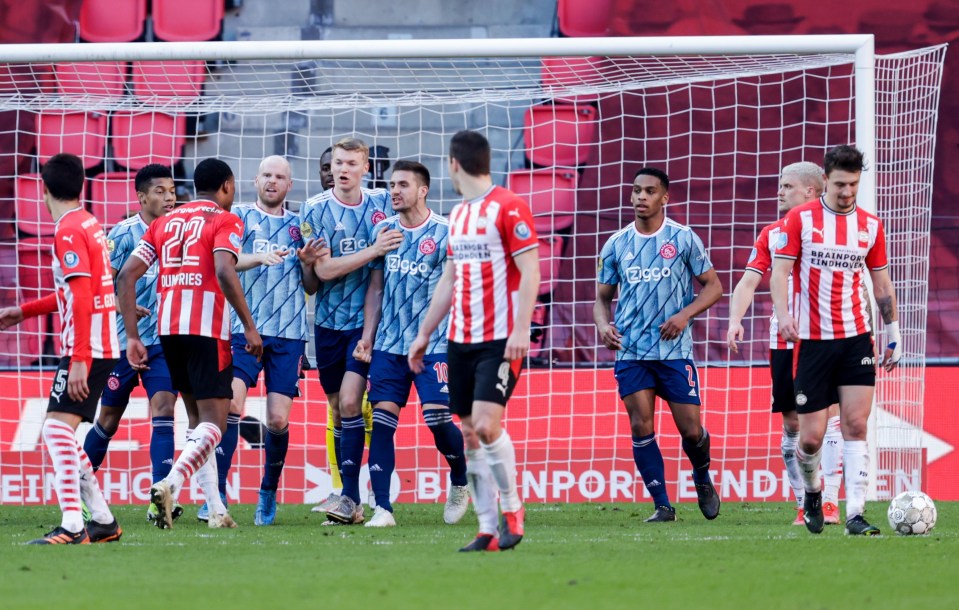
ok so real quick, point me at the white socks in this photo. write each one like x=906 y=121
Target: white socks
x=90 y=490
x=61 y=443
x=199 y=447
x=856 y=459
x=482 y=488
x=788 y=445
x=501 y=457
x=832 y=450
x=809 y=468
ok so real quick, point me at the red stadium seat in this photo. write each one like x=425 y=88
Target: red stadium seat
x=33 y=217
x=112 y=21
x=550 y=256
x=560 y=134
x=578 y=18
x=102 y=79
x=113 y=197
x=83 y=134
x=551 y=195
x=181 y=81
x=170 y=21
x=34 y=270
x=147 y=137
x=560 y=72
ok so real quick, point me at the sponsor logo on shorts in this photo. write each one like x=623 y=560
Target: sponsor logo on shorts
x=113 y=382
x=503 y=374
x=801 y=399
x=868 y=361
x=668 y=251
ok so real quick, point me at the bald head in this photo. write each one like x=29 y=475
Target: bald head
x=273 y=181
x=799 y=183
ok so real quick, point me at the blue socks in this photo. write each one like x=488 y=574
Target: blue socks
x=161 y=447
x=274 y=450
x=449 y=442
x=351 y=455
x=338 y=446
x=96 y=444
x=226 y=449
x=382 y=458
x=649 y=462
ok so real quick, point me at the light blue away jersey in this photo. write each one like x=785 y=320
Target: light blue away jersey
x=410 y=275
x=275 y=294
x=121 y=241
x=655 y=278
x=346 y=229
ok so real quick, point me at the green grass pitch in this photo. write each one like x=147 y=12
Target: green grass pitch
x=583 y=556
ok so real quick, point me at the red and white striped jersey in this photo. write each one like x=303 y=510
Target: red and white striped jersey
x=80 y=249
x=485 y=236
x=760 y=261
x=189 y=299
x=832 y=251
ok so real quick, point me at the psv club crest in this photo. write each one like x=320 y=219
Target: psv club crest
x=667 y=251
x=378 y=217
x=428 y=246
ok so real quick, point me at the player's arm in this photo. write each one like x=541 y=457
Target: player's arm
x=517 y=344
x=308 y=254
x=885 y=295
x=11 y=316
x=246 y=261
x=779 y=290
x=372 y=312
x=439 y=309
x=224 y=262
x=603 y=316
x=126 y=284
x=329 y=267
x=739 y=304
x=709 y=294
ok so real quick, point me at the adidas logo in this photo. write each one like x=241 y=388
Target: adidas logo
x=255 y=227
x=451 y=456
x=219 y=451
x=375 y=468
x=629 y=256
x=347 y=463
x=168 y=461
x=692 y=392
x=653 y=483
x=444 y=390
x=339 y=227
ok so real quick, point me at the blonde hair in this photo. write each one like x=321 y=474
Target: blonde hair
x=809 y=174
x=353 y=145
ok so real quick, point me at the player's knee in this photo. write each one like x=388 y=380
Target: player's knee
x=163 y=408
x=109 y=419
x=277 y=422
x=487 y=430
x=854 y=430
x=810 y=444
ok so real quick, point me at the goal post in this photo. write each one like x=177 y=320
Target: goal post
x=570 y=121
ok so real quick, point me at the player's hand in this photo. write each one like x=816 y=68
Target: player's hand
x=137 y=355
x=788 y=329
x=363 y=351
x=254 y=343
x=387 y=241
x=311 y=251
x=734 y=335
x=517 y=345
x=268 y=259
x=611 y=338
x=10 y=316
x=893 y=347
x=673 y=327
x=77 y=388
x=142 y=312
x=417 y=351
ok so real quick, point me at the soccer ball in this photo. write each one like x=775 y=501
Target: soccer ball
x=912 y=512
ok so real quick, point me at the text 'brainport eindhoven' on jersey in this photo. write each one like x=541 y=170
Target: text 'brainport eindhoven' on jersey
x=655 y=277
x=347 y=229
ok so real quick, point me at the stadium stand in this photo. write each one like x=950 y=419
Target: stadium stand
x=112 y=21
x=147 y=137
x=83 y=134
x=560 y=134
x=205 y=22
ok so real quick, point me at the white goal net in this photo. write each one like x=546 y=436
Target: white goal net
x=570 y=121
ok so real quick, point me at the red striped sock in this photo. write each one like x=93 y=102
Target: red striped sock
x=90 y=490
x=61 y=443
x=199 y=447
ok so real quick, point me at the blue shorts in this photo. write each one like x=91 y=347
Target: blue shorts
x=281 y=363
x=334 y=356
x=673 y=380
x=123 y=379
x=391 y=378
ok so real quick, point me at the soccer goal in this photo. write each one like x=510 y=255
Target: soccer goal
x=570 y=121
